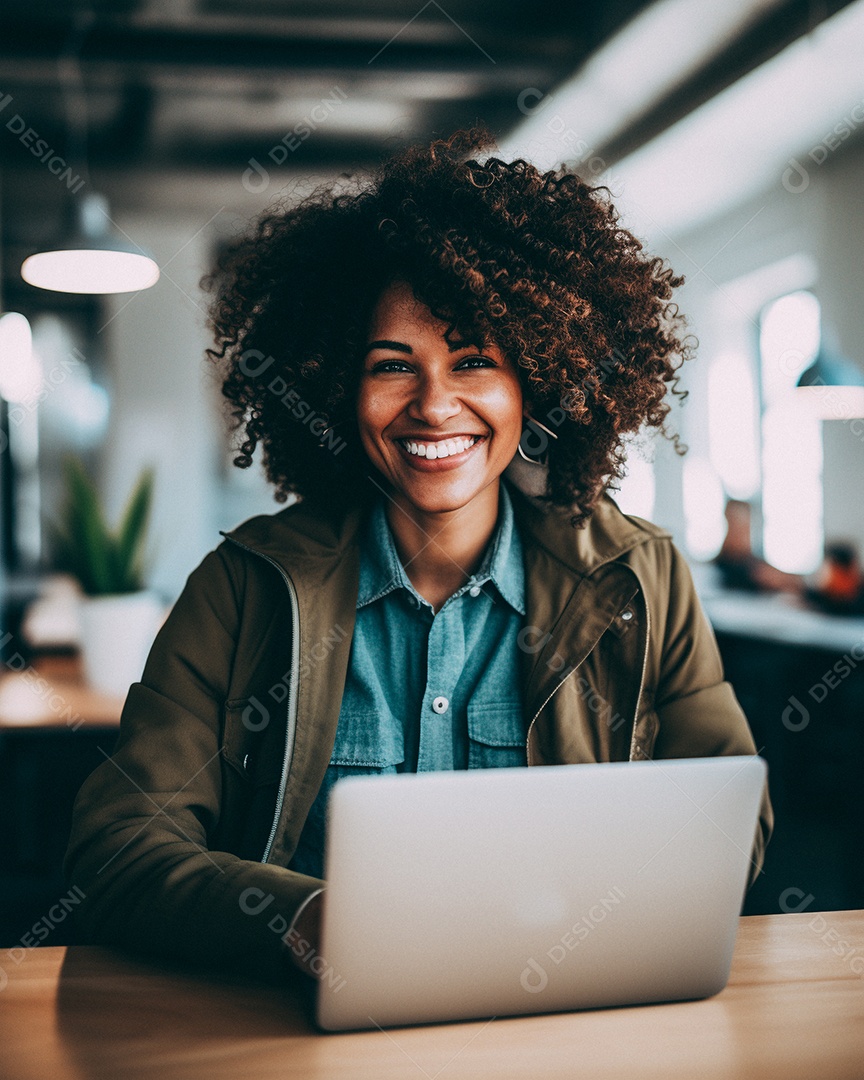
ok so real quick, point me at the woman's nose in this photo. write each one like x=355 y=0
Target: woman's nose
x=434 y=402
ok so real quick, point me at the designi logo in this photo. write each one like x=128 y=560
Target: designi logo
x=532 y=972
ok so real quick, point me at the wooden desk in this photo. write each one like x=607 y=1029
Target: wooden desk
x=54 y=730
x=793 y=1010
x=52 y=694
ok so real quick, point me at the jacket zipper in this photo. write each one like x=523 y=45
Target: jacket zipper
x=543 y=706
x=557 y=686
x=644 y=667
x=291 y=724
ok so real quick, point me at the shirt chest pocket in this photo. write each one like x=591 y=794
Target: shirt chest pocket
x=367 y=740
x=496 y=735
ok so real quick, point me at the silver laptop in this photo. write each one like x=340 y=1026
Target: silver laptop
x=493 y=892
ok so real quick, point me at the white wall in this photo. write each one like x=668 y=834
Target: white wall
x=165 y=402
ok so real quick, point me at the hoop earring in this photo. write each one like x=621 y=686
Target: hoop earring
x=535 y=461
x=330 y=427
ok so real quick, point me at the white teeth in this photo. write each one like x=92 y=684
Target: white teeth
x=440 y=449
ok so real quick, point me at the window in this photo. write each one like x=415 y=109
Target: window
x=753 y=434
x=791 y=458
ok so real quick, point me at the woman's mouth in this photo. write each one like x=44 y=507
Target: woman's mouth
x=443 y=453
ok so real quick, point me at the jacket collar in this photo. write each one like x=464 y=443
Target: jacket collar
x=608 y=533
x=308 y=535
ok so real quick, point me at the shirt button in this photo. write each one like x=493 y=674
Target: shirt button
x=440 y=704
x=627 y=615
x=475 y=590
x=415 y=603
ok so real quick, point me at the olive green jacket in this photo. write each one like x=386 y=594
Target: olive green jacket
x=180 y=841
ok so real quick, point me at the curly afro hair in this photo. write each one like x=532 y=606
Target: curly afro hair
x=535 y=262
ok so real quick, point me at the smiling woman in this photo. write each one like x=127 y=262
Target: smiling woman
x=440 y=422
x=439 y=320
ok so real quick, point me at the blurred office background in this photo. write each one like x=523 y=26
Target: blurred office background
x=732 y=138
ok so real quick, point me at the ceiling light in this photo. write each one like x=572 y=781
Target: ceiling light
x=833 y=387
x=91 y=258
x=20 y=370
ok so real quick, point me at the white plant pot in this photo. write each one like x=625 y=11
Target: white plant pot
x=116 y=634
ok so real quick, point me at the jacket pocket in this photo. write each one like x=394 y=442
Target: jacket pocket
x=496 y=735
x=245 y=745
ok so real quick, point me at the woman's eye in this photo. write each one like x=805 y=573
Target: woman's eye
x=477 y=361
x=390 y=365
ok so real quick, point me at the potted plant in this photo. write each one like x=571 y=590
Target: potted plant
x=118 y=616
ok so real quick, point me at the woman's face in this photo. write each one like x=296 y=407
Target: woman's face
x=440 y=422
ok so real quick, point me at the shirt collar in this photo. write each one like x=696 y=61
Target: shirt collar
x=381 y=570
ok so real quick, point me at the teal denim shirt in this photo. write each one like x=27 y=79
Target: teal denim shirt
x=427 y=691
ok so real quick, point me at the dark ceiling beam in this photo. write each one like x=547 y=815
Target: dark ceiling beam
x=26 y=44
x=755 y=46
x=554 y=32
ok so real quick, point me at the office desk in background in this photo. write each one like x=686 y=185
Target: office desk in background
x=799 y=676
x=54 y=730
x=793 y=1010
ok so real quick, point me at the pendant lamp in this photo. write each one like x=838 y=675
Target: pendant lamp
x=91 y=257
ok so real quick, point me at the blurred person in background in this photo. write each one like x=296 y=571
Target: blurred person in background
x=739 y=566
